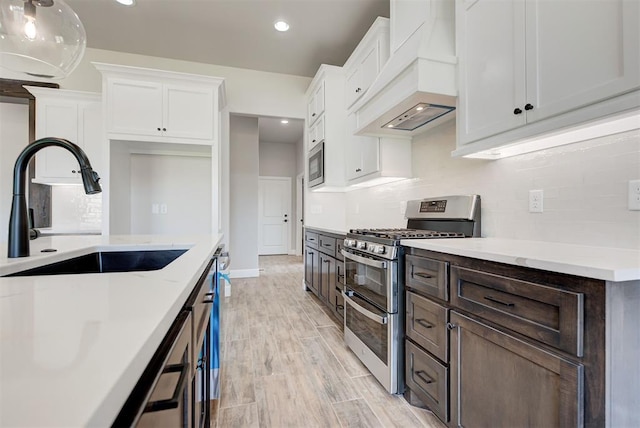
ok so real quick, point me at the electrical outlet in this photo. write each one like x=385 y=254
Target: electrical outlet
x=155 y=208
x=634 y=195
x=535 y=201
x=163 y=208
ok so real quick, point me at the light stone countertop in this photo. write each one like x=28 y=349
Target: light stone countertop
x=72 y=347
x=609 y=264
x=321 y=230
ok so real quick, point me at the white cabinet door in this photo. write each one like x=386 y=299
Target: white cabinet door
x=352 y=86
x=491 y=67
x=594 y=58
x=57 y=119
x=188 y=111
x=134 y=107
x=363 y=75
x=370 y=67
x=362 y=153
x=316 y=104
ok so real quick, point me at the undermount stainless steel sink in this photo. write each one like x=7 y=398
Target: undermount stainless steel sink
x=106 y=262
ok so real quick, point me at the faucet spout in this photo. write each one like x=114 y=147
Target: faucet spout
x=19 y=220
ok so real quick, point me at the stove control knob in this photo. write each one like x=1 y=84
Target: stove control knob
x=361 y=245
x=380 y=249
x=349 y=242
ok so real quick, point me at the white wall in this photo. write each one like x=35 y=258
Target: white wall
x=14 y=136
x=243 y=195
x=584 y=184
x=182 y=183
x=279 y=160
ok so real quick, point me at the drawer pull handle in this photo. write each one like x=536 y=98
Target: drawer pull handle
x=500 y=302
x=174 y=401
x=423 y=275
x=326 y=261
x=424 y=323
x=451 y=326
x=423 y=377
x=326 y=245
x=311 y=239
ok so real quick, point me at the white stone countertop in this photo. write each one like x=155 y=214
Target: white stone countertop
x=72 y=347
x=609 y=264
x=322 y=229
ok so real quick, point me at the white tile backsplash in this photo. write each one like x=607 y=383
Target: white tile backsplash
x=74 y=211
x=585 y=190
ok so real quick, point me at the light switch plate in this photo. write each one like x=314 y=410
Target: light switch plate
x=535 y=201
x=634 y=195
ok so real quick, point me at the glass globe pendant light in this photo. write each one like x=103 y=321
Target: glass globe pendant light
x=40 y=38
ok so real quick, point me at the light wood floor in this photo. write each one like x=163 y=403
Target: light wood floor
x=284 y=364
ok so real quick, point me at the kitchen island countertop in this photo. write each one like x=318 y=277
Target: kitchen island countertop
x=72 y=347
x=608 y=264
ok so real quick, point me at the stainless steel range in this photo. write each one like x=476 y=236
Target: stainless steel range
x=374 y=278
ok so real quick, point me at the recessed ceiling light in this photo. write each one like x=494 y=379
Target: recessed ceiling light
x=281 y=26
x=127 y=2
x=284 y=121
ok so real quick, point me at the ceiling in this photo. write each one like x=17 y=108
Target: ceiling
x=235 y=33
x=271 y=130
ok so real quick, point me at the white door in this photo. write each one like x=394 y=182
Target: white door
x=274 y=205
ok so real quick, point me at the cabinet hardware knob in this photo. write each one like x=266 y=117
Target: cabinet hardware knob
x=73 y=171
x=313 y=141
x=158 y=129
x=285 y=220
x=451 y=326
x=358 y=170
x=164 y=129
x=528 y=107
x=517 y=111
x=313 y=115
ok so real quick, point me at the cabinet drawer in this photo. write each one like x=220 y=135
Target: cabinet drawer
x=427 y=325
x=327 y=245
x=428 y=276
x=543 y=313
x=311 y=239
x=428 y=380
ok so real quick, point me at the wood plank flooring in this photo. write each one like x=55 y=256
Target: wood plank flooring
x=283 y=362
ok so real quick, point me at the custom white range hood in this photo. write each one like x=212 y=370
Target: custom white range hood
x=416 y=89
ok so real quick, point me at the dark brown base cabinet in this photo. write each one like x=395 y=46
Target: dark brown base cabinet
x=324 y=268
x=494 y=345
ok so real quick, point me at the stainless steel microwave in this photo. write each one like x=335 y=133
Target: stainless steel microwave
x=316 y=165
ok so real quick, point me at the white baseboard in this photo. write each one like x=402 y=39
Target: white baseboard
x=293 y=252
x=244 y=273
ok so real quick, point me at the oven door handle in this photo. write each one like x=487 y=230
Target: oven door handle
x=374 y=317
x=364 y=260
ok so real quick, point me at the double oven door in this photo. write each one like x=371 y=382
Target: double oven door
x=372 y=321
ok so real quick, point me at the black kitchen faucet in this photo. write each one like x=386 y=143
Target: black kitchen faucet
x=19 y=220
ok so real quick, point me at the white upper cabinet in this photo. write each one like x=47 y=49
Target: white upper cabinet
x=161 y=106
x=531 y=67
x=72 y=115
x=316 y=133
x=315 y=104
x=366 y=61
x=362 y=153
x=373 y=160
x=328 y=125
